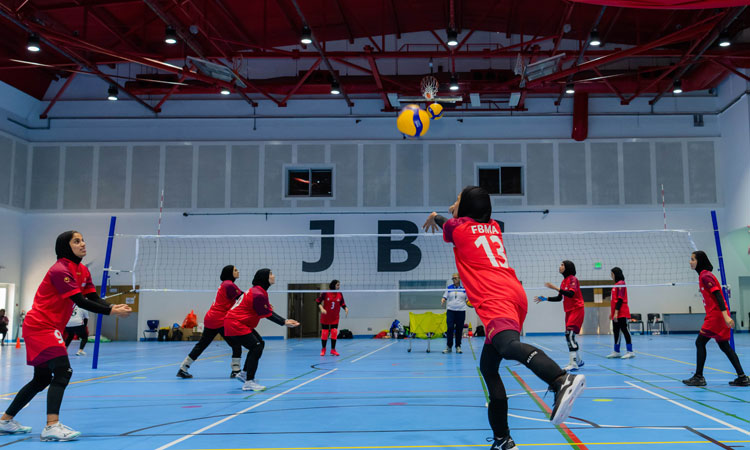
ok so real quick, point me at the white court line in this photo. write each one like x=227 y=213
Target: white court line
x=541 y=346
x=194 y=433
x=381 y=348
x=691 y=409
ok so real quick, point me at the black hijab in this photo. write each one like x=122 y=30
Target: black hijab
x=703 y=262
x=332 y=285
x=475 y=203
x=261 y=278
x=227 y=273
x=62 y=246
x=618 y=274
x=570 y=268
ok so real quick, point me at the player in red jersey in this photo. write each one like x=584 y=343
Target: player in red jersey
x=213 y=323
x=717 y=325
x=66 y=284
x=500 y=303
x=570 y=292
x=330 y=304
x=619 y=314
x=241 y=321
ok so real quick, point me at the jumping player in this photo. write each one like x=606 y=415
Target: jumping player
x=77 y=326
x=330 y=304
x=570 y=292
x=213 y=322
x=717 y=325
x=501 y=305
x=241 y=321
x=66 y=284
x=619 y=314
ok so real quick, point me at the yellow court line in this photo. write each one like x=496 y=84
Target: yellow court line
x=681 y=362
x=479 y=445
x=122 y=373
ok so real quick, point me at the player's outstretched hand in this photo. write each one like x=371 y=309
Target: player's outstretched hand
x=540 y=299
x=430 y=224
x=121 y=310
x=550 y=285
x=291 y=323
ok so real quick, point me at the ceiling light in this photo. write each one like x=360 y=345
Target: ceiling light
x=677 y=87
x=225 y=91
x=452 y=37
x=454 y=83
x=170 y=35
x=306 y=36
x=724 y=39
x=32 y=44
x=112 y=92
x=335 y=89
x=570 y=89
x=594 y=40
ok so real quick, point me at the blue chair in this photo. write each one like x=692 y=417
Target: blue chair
x=153 y=330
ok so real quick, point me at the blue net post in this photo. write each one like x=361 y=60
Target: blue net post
x=105 y=280
x=723 y=274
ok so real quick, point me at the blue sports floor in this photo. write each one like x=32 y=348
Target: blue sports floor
x=378 y=396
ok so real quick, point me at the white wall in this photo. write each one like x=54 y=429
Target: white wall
x=11 y=259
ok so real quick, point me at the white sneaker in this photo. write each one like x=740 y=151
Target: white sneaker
x=570 y=367
x=614 y=355
x=628 y=355
x=458 y=350
x=251 y=385
x=12 y=427
x=59 y=432
x=242 y=376
x=80 y=353
x=447 y=350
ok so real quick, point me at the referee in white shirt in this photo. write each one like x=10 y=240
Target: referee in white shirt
x=455 y=295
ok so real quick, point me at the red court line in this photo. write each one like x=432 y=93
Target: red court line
x=575 y=442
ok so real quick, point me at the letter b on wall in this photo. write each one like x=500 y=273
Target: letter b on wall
x=387 y=244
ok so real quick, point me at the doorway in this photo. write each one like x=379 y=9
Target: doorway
x=744 y=300
x=303 y=308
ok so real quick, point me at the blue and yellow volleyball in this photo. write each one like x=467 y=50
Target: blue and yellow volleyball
x=435 y=110
x=413 y=121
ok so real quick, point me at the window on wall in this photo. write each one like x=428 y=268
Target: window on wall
x=309 y=182
x=501 y=180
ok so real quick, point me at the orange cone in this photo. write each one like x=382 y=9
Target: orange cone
x=18 y=341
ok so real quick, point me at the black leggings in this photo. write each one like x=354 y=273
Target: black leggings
x=507 y=345
x=331 y=333
x=56 y=374
x=81 y=331
x=621 y=325
x=700 y=345
x=255 y=344
x=3 y=333
x=207 y=337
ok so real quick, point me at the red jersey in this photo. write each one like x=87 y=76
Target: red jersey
x=227 y=294
x=332 y=303
x=244 y=316
x=52 y=308
x=570 y=283
x=490 y=282
x=620 y=293
x=713 y=325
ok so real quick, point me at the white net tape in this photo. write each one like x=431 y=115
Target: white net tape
x=404 y=262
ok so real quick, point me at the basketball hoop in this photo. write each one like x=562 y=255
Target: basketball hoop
x=429 y=87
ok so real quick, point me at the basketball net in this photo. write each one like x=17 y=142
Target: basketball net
x=429 y=87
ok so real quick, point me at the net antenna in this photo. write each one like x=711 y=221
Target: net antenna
x=429 y=87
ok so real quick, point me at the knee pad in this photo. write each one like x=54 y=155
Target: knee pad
x=62 y=375
x=324 y=334
x=334 y=333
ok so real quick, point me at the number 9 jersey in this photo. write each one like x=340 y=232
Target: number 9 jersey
x=490 y=282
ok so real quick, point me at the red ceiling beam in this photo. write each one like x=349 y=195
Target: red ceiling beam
x=376 y=75
x=172 y=90
x=57 y=96
x=561 y=26
x=103 y=17
x=610 y=86
x=301 y=82
x=679 y=36
x=730 y=68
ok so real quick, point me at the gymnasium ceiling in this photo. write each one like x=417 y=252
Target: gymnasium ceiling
x=645 y=50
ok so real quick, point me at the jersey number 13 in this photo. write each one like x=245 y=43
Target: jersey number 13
x=497 y=261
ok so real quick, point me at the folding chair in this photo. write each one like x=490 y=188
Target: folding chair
x=636 y=319
x=654 y=322
x=426 y=326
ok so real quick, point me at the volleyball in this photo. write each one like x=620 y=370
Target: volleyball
x=413 y=121
x=435 y=110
